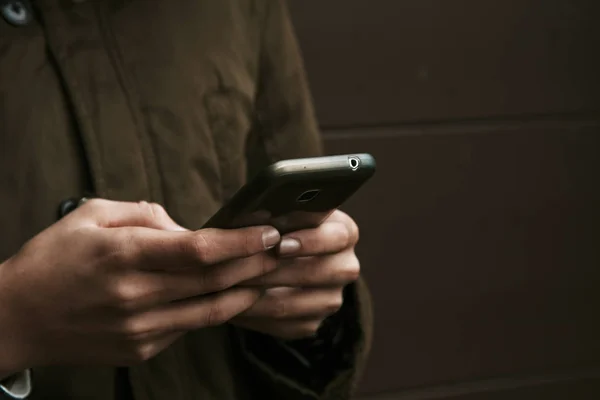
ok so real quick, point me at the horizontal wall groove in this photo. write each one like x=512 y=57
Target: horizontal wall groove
x=466 y=126
x=487 y=385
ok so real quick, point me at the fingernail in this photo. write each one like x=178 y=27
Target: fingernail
x=270 y=238
x=289 y=246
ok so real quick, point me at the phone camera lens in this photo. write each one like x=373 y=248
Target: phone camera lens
x=354 y=163
x=307 y=196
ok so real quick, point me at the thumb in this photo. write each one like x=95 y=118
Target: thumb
x=117 y=214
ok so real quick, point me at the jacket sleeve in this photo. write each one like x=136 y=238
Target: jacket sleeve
x=285 y=127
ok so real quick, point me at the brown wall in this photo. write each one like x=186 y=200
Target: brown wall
x=481 y=230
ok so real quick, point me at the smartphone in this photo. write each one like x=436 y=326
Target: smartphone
x=295 y=194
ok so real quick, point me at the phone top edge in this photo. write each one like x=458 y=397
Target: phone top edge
x=319 y=164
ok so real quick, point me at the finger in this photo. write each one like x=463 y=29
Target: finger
x=340 y=216
x=331 y=236
x=139 y=290
x=114 y=214
x=325 y=271
x=290 y=330
x=134 y=351
x=152 y=249
x=290 y=303
x=196 y=313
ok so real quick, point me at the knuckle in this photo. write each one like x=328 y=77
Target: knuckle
x=132 y=297
x=216 y=315
x=103 y=245
x=338 y=235
x=268 y=263
x=143 y=352
x=219 y=279
x=96 y=204
x=124 y=296
x=145 y=209
x=157 y=210
x=260 y=280
x=352 y=270
x=354 y=232
x=122 y=247
x=310 y=329
x=277 y=308
x=303 y=331
x=200 y=281
x=153 y=211
x=133 y=329
x=96 y=210
x=248 y=244
x=134 y=291
x=336 y=303
x=200 y=248
x=344 y=236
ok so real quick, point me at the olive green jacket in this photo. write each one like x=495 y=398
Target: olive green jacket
x=175 y=102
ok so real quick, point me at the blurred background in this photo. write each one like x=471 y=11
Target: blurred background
x=481 y=231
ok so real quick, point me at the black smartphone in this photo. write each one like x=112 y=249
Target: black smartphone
x=295 y=194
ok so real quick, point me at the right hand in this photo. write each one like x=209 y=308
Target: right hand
x=115 y=283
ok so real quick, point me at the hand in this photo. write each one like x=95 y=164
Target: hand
x=307 y=287
x=115 y=283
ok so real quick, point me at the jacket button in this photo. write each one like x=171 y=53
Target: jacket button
x=69 y=205
x=16 y=12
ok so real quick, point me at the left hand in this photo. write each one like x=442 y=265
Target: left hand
x=314 y=267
